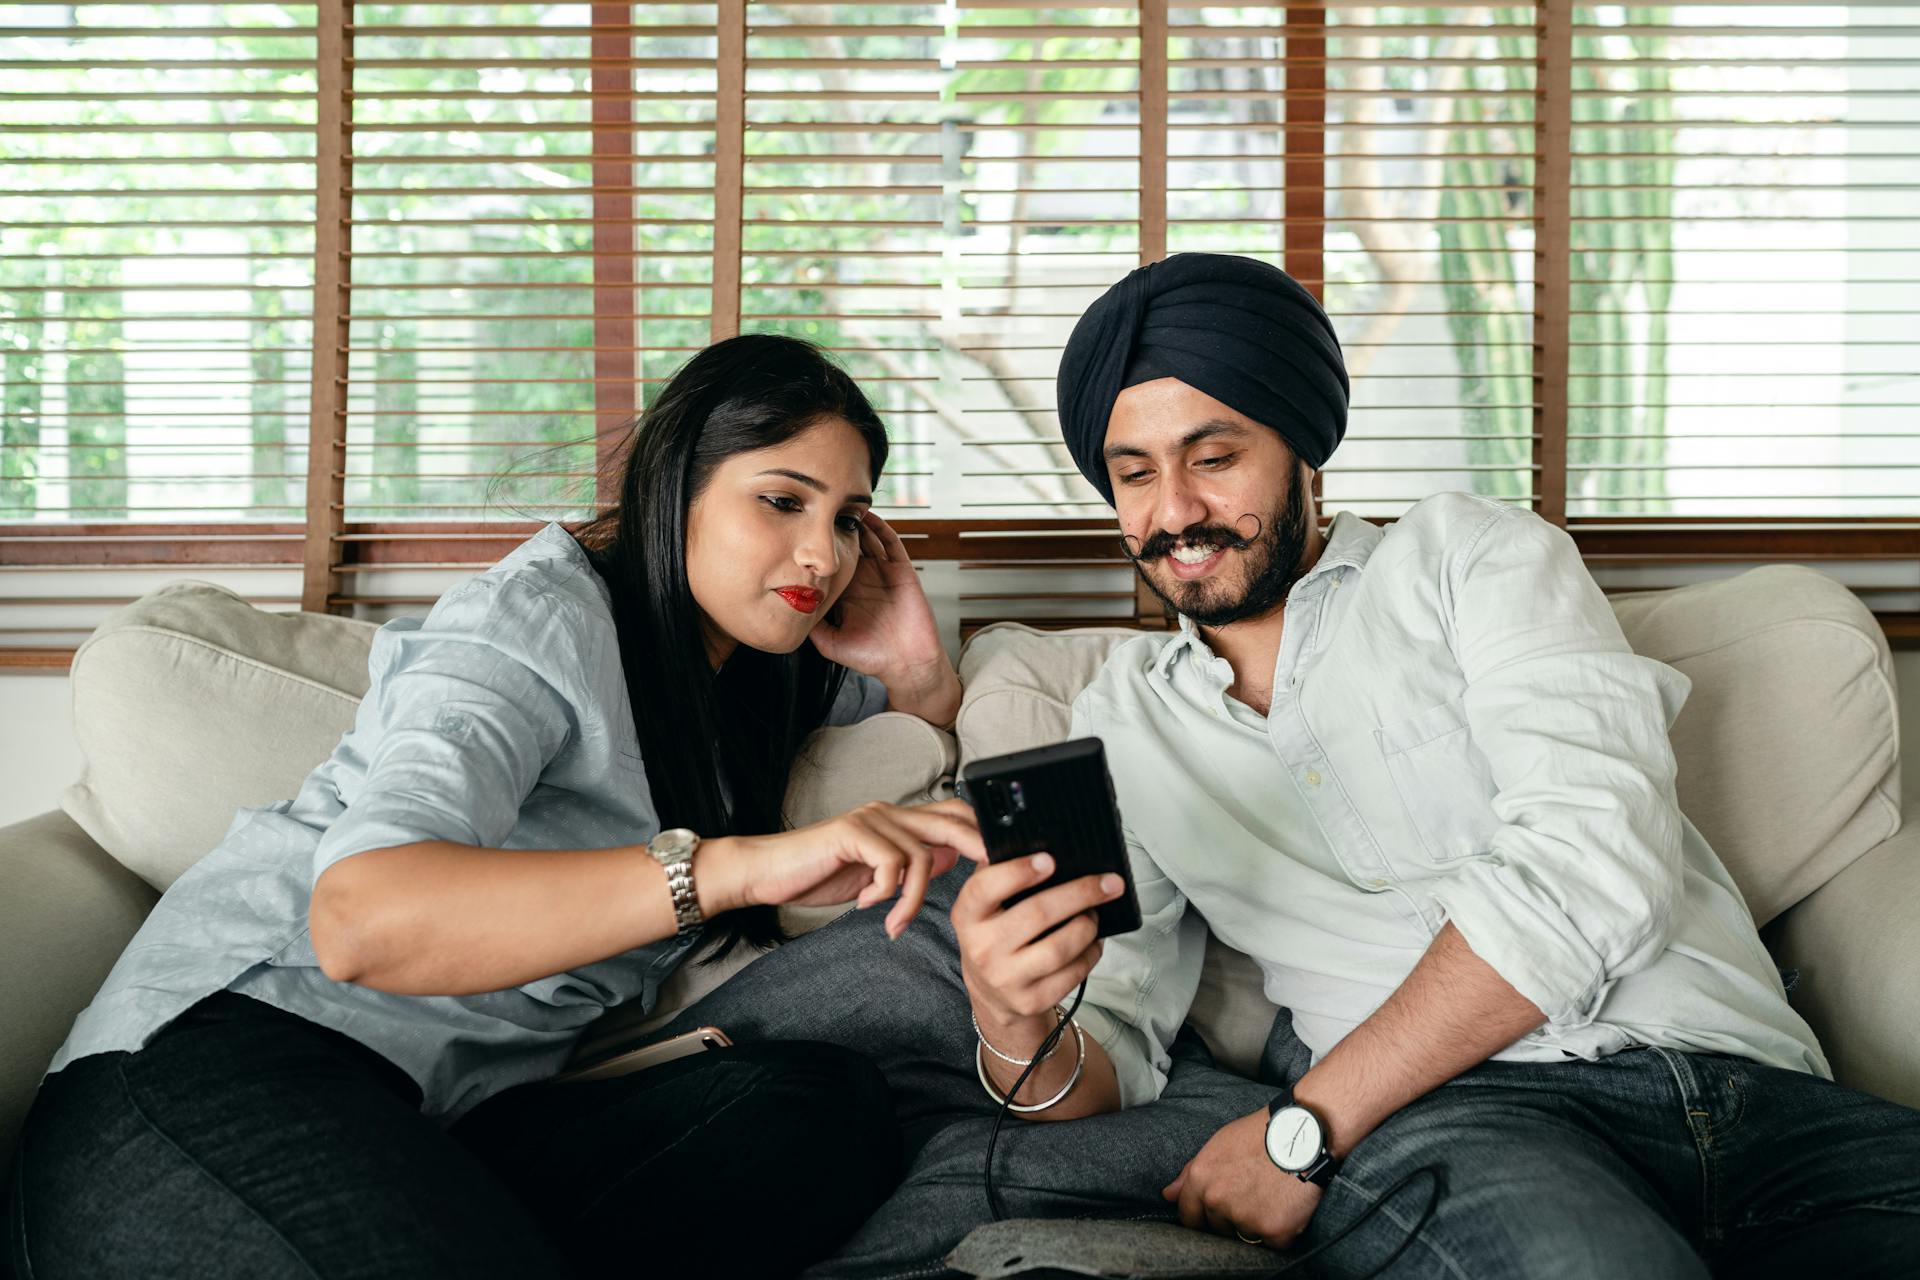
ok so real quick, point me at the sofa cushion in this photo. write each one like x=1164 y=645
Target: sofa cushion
x=1018 y=684
x=66 y=912
x=1787 y=746
x=190 y=703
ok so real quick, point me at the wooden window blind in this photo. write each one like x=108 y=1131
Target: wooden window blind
x=1744 y=312
x=1742 y=336
x=1424 y=151
x=333 y=301
x=841 y=206
x=157 y=218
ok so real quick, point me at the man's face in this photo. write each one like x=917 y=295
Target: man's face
x=1214 y=507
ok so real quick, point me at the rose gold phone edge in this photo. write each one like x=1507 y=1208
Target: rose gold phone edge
x=699 y=1040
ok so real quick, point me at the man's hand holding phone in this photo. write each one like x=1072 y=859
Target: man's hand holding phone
x=1019 y=962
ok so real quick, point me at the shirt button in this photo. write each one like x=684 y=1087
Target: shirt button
x=1313 y=777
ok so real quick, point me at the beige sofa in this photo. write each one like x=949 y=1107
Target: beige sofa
x=190 y=703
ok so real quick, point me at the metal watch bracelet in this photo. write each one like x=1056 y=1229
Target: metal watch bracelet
x=673 y=850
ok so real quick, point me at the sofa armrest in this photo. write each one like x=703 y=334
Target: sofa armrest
x=67 y=910
x=1856 y=943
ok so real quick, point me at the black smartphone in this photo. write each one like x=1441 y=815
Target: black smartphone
x=1057 y=799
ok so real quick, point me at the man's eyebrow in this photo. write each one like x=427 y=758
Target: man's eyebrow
x=1211 y=427
x=802 y=477
x=1208 y=429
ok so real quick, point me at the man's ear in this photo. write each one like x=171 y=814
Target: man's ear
x=1308 y=475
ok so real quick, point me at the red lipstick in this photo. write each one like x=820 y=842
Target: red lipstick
x=805 y=599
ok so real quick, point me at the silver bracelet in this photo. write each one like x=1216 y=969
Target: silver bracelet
x=1007 y=1057
x=1079 y=1065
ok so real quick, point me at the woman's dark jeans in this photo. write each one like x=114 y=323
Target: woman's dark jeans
x=248 y=1142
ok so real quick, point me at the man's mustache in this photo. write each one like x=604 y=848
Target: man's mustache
x=1214 y=536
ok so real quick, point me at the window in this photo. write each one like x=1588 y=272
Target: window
x=1745 y=262
x=330 y=301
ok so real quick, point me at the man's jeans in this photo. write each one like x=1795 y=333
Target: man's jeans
x=1647 y=1164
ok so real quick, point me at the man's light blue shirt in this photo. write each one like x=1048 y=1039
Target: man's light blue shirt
x=501 y=720
x=1458 y=732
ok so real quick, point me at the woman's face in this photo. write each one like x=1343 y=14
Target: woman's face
x=774 y=538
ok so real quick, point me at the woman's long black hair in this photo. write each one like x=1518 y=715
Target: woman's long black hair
x=718 y=747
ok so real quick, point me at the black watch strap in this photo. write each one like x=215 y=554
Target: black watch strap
x=1320 y=1172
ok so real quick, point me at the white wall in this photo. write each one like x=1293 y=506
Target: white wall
x=38 y=756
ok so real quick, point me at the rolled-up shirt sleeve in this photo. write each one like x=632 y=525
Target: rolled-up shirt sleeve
x=460 y=721
x=1578 y=883
x=1141 y=989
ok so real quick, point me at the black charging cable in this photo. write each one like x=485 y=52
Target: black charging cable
x=1040 y=1055
x=1045 y=1050
x=1413 y=1232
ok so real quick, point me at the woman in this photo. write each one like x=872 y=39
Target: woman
x=327 y=1051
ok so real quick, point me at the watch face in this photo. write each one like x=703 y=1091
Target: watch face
x=1293 y=1138
x=671 y=843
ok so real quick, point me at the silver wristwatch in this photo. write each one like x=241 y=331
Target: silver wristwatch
x=673 y=850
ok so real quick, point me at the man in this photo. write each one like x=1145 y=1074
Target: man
x=1419 y=777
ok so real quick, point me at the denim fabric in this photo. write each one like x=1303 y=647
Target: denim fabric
x=245 y=1142
x=1648 y=1163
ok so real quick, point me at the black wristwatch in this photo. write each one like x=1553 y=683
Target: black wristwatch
x=1297 y=1141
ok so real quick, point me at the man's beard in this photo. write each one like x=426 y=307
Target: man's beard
x=1277 y=549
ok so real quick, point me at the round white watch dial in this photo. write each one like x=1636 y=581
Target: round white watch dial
x=1293 y=1138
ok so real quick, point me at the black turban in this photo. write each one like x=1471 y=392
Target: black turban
x=1246 y=333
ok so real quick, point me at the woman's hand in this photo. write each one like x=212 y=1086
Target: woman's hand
x=865 y=855
x=887 y=629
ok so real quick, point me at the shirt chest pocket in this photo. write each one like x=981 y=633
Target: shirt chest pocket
x=1443 y=781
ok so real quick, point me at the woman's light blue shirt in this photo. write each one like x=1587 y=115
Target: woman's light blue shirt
x=500 y=721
